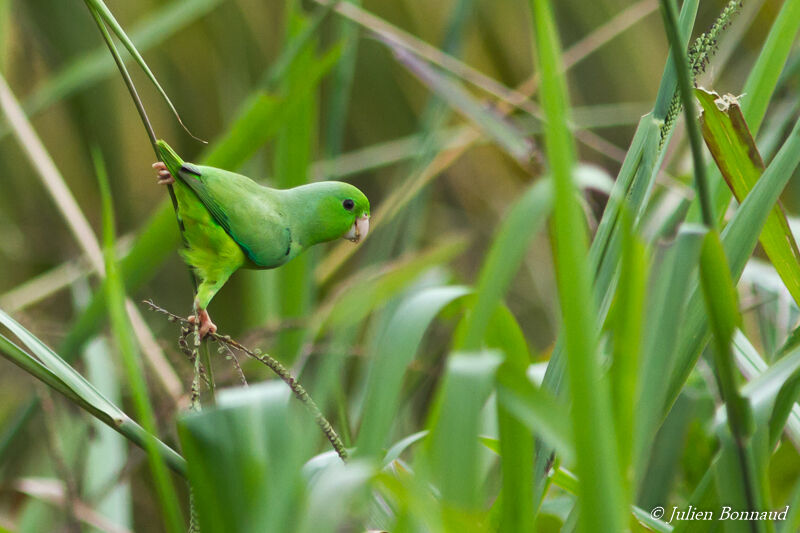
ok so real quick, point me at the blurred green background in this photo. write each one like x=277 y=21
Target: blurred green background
x=369 y=122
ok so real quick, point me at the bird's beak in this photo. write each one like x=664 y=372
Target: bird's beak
x=359 y=229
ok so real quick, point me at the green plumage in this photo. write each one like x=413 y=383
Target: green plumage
x=231 y=221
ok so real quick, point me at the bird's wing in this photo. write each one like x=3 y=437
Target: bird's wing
x=248 y=212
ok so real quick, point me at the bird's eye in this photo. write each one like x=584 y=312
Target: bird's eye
x=348 y=204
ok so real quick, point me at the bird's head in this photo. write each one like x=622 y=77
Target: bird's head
x=339 y=210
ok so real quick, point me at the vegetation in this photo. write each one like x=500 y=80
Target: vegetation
x=576 y=309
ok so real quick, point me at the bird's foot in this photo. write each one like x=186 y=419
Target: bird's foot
x=205 y=324
x=164 y=177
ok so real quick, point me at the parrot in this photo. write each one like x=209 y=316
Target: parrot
x=231 y=222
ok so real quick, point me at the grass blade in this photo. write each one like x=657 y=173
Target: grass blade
x=99 y=7
x=115 y=293
x=739 y=239
x=48 y=367
x=723 y=313
x=399 y=344
x=730 y=142
x=511 y=242
x=452 y=448
x=601 y=497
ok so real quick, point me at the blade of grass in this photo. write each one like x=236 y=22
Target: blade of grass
x=398 y=345
x=451 y=457
x=99 y=8
x=56 y=373
x=739 y=239
x=763 y=79
x=723 y=313
x=667 y=305
x=601 y=499
x=168 y=498
x=627 y=320
x=728 y=138
x=516 y=443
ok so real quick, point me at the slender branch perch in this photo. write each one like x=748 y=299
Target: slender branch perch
x=280 y=370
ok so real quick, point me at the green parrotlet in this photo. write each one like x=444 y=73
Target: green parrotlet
x=231 y=222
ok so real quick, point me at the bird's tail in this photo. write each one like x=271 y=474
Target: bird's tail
x=169 y=157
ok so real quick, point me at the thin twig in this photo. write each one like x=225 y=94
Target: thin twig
x=280 y=370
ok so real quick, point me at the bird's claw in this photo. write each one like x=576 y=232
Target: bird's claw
x=164 y=177
x=206 y=326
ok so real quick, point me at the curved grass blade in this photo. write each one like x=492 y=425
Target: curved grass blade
x=399 y=344
x=452 y=452
x=723 y=314
x=51 y=369
x=100 y=8
x=509 y=245
x=515 y=502
x=667 y=304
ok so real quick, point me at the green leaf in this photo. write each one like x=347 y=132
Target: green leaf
x=734 y=149
x=667 y=303
x=244 y=452
x=739 y=239
x=398 y=345
x=509 y=246
x=452 y=459
x=601 y=498
x=51 y=369
x=627 y=320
